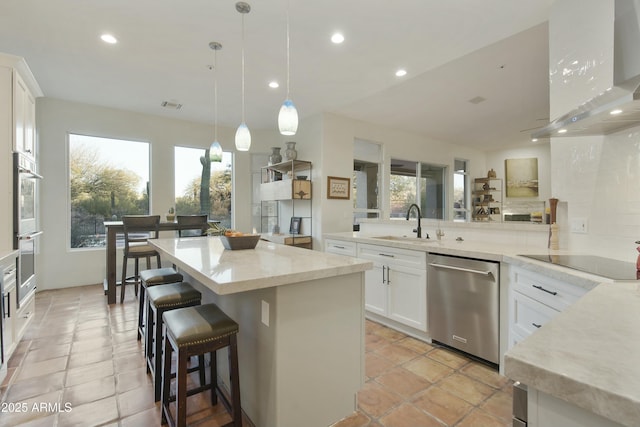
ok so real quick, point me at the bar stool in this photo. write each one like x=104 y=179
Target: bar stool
x=197 y=224
x=163 y=298
x=148 y=278
x=195 y=331
x=138 y=229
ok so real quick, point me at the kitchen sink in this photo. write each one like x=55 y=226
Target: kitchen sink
x=403 y=239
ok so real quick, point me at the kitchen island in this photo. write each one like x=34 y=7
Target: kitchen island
x=301 y=317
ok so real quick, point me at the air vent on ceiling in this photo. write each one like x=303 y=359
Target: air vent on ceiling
x=171 y=104
x=477 y=100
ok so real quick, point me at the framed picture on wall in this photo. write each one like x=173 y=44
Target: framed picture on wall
x=338 y=188
x=294 y=227
x=522 y=177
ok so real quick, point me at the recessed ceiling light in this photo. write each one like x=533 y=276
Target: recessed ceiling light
x=562 y=131
x=274 y=84
x=337 y=38
x=534 y=139
x=616 y=111
x=108 y=38
x=401 y=72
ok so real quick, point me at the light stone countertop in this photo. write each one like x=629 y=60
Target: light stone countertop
x=588 y=355
x=268 y=265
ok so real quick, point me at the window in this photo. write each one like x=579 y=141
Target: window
x=108 y=178
x=365 y=183
x=420 y=183
x=460 y=190
x=191 y=169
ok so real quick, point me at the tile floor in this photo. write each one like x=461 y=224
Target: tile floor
x=80 y=364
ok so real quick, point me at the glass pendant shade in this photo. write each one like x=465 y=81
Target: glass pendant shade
x=215 y=152
x=288 y=118
x=243 y=138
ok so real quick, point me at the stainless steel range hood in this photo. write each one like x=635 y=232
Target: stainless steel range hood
x=595 y=117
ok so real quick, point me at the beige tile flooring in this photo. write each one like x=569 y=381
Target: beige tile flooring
x=80 y=364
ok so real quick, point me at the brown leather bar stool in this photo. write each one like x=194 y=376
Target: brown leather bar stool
x=195 y=331
x=148 y=278
x=163 y=298
x=138 y=229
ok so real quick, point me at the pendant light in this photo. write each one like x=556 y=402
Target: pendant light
x=288 y=116
x=215 y=151
x=243 y=136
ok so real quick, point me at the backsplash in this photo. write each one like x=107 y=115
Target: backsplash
x=599 y=179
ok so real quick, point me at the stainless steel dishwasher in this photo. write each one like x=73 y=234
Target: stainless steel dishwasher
x=463 y=304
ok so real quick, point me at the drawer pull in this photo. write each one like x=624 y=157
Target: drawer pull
x=338 y=247
x=388 y=255
x=536 y=325
x=545 y=290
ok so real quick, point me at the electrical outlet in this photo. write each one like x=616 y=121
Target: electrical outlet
x=578 y=225
x=265 y=312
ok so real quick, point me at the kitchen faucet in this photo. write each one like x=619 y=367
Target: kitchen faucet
x=419 y=229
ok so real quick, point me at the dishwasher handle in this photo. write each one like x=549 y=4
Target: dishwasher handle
x=467 y=270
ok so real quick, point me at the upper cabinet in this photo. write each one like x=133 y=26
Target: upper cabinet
x=18 y=92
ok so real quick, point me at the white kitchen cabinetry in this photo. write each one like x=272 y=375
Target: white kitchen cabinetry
x=536 y=299
x=341 y=247
x=396 y=287
x=18 y=91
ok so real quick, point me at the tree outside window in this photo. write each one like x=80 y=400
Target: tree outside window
x=192 y=169
x=108 y=178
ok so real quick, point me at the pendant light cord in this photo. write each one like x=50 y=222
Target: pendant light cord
x=288 y=52
x=215 y=95
x=243 y=68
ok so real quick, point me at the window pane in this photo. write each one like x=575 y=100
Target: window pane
x=190 y=170
x=365 y=185
x=108 y=178
x=432 y=191
x=460 y=191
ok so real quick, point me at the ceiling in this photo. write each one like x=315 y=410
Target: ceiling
x=453 y=51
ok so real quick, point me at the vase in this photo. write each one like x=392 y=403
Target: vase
x=275 y=156
x=290 y=153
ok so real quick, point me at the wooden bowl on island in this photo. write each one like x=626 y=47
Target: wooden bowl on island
x=245 y=241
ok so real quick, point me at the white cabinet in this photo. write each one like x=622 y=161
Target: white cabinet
x=18 y=91
x=396 y=287
x=341 y=247
x=534 y=300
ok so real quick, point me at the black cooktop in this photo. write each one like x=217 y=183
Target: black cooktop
x=604 y=267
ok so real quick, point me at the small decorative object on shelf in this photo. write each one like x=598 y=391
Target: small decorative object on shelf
x=171 y=216
x=275 y=156
x=491 y=174
x=290 y=153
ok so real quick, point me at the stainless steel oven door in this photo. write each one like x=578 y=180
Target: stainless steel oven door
x=25 y=196
x=27 y=266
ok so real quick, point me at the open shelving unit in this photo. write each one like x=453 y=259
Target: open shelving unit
x=285 y=199
x=487 y=199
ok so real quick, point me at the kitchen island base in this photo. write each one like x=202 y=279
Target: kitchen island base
x=305 y=367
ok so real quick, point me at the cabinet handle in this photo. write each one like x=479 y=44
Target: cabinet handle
x=388 y=255
x=383 y=279
x=7 y=313
x=388 y=271
x=545 y=290
x=338 y=247
x=536 y=325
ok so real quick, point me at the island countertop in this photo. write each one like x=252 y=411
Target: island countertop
x=268 y=265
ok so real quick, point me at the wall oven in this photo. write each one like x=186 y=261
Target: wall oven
x=25 y=222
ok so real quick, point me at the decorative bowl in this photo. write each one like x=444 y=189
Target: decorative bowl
x=248 y=241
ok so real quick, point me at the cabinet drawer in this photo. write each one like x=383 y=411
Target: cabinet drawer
x=340 y=247
x=24 y=316
x=529 y=315
x=554 y=293
x=396 y=256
